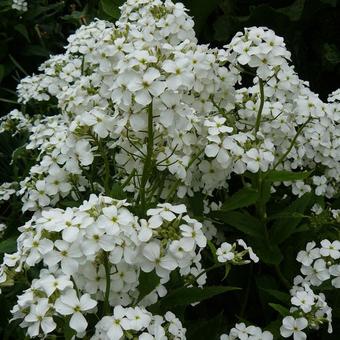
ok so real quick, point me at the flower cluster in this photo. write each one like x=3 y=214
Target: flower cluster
x=310 y=310
x=138 y=323
x=100 y=239
x=7 y=190
x=243 y=332
x=3 y=228
x=228 y=253
x=167 y=101
x=20 y=5
x=319 y=264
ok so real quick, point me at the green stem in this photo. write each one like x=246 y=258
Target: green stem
x=217 y=265
x=127 y=181
x=106 y=168
x=283 y=157
x=108 y=285
x=247 y=292
x=259 y=113
x=75 y=286
x=178 y=181
x=281 y=277
x=260 y=205
x=148 y=160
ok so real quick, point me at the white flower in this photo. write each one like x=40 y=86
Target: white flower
x=154 y=260
x=50 y=283
x=136 y=319
x=252 y=255
x=165 y=211
x=317 y=273
x=146 y=86
x=38 y=249
x=69 y=304
x=192 y=235
x=216 y=126
x=113 y=219
x=38 y=318
x=225 y=252
x=331 y=249
x=307 y=257
x=304 y=300
x=180 y=74
x=67 y=254
x=293 y=327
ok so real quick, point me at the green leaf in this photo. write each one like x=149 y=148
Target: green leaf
x=69 y=203
x=279 y=308
x=8 y=246
x=200 y=10
x=206 y=329
x=110 y=7
x=36 y=50
x=69 y=333
x=285 y=227
x=2 y=72
x=294 y=11
x=19 y=153
x=243 y=198
x=212 y=250
x=185 y=296
x=331 y=53
x=23 y=31
x=196 y=204
x=147 y=283
x=267 y=252
x=281 y=296
x=265 y=193
x=242 y=221
x=117 y=192
x=283 y=175
x=332 y=3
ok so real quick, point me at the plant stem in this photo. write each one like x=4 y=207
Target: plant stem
x=259 y=113
x=106 y=309
x=217 y=265
x=178 y=181
x=148 y=160
x=281 y=277
x=106 y=168
x=247 y=292
x=283 y=157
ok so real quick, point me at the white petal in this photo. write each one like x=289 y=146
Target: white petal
x=151 y=74
x=155 y=221
x=168 y=263
x=143 y=97
x=211 y=150
x=87 y=303
x=145 y=234
x=78 y=322
x=48 y=325
x=157 y=88
x=152 y=251
x=69 y=266
x=70 y=234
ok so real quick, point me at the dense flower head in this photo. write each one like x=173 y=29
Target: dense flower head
x=113 y=77
x=243 y=332
x=20 y=5
x=310 y=310
x=138 y=322
x=80 y=244
x=140 y=111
